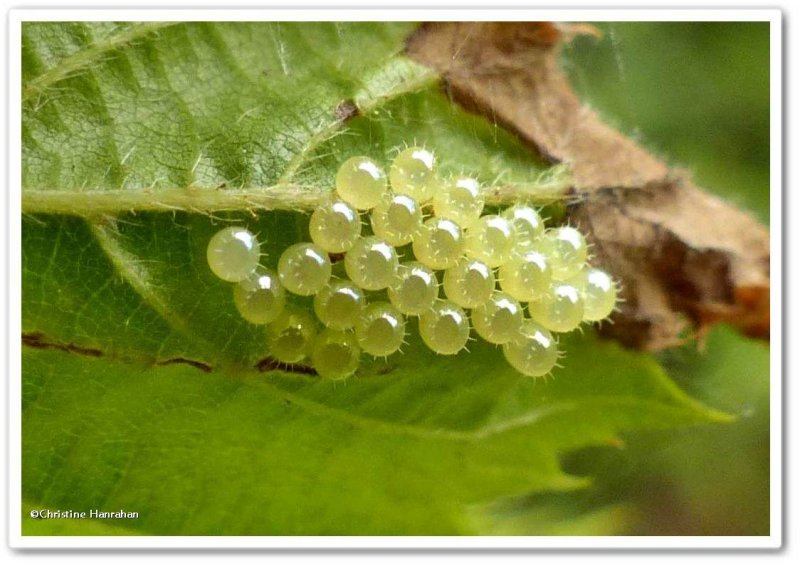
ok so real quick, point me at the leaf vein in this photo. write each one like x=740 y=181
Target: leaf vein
x=84 y=58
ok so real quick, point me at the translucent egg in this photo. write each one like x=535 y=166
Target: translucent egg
x=338 y=305
x=381 y=329
x=498 y=320
x=396 y=219
x=600 y=295
x=415 y=289
x=413 y=173
x=561 y=310
x=371 y=263
x=335 y=226
x=291 y=336
x=304 y=269
x=233 y=254
x=491 y=240
x=361 y=182
x=259 y=298
x=460 y=200
x=469 y=283
x=567 y=250
x=440 y=243
x=527 y=222
x=526 y=276
x=534 y=352
x=335 y=354
x=444 y=328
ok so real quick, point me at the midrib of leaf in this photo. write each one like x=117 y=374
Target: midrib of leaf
x=207 y=200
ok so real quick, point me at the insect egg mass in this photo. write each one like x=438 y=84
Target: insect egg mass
x=363 y=286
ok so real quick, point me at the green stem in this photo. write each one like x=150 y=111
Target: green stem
x=285 y=196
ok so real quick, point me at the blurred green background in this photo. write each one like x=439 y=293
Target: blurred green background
x=697 y=95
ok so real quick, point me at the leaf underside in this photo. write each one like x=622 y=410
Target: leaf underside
x=141 y=387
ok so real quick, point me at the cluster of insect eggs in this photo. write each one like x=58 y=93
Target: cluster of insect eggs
x=491 y=264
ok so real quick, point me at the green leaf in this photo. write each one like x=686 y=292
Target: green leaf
x=140 y=387
x=398 y=450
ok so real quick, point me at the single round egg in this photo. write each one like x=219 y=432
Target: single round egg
x=498 y=320
x=304 y=269
x=396 y=219
x=469 y=283
x=560 y=310
x=440 y=243
x=233 y=254
x=335 y=354
x=291 y=336
x=534 y=352
x=380 y=329
x=371 y=263
x=491 y=239
x=444 y=328
x=415 y=289
x=413 y=173
x=338 y=305
x=335 y=226
x=260 y=298
x=361 y=182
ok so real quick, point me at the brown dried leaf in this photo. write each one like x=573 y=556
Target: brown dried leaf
x=681 y=254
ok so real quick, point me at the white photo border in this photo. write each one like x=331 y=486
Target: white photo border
x=17 y=540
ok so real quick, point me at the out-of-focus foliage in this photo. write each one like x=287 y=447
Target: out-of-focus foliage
x=698 y=94
x=695 y=93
